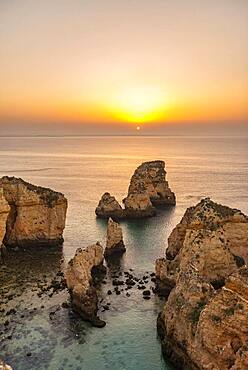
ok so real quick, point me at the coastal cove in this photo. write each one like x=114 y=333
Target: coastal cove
x=41 y=332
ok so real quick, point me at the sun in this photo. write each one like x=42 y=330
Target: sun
x=139 y=104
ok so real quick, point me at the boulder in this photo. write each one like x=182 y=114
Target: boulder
x=204 y=323
x=114 y=244
x=37 y=215
x=80 y=275
x=148 y=188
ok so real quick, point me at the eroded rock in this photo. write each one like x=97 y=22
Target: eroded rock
x=109 y=207
x=148 y=188
x=204 y=323
x=80 y=275
x=4 y=211
x=114 y=243
x=37 y=215
x=150 y=178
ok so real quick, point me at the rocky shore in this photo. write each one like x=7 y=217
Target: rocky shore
x=30 y=216
x=204 y=323
x=148 y=189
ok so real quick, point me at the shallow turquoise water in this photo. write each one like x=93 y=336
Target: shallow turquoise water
x=84 y=168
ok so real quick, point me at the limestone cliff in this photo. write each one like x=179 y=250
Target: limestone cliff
x=37 y=215
x=204 y=323
x=80 y=281
x=4 y=211
x=148 y=188
x=114 y=243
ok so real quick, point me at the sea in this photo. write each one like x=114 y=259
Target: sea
x=41 y=333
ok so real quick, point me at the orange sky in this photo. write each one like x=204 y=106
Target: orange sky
x=131 y=61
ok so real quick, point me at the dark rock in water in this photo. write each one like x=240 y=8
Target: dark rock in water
x=146 y=293
x=65 y=305
x=130 y=282
x=98 y=323
x=117 y=282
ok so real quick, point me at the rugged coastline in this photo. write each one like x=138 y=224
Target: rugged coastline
x=204 y=276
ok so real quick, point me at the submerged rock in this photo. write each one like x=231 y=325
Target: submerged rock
x=204 y=323
x=148 y=188
x=36 y=216
x=80 y=282
x=114 y=244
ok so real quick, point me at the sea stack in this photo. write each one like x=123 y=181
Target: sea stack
x=114 y=243
x=204 y=323
x=148 y=189
x=36 y=215
x=80 y=274
x=109 y=207
x=150 y=178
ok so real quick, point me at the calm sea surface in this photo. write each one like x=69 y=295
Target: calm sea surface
x=83 y=168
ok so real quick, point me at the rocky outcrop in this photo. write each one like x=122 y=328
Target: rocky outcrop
x=4 y=366
x=81 y=272
x=148 y=188
x=109 y=207
x=4 y=211
x=204 y=323
x=149 y=178
x=37 y=215
x=114 y=243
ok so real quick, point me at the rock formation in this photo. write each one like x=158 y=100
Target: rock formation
x=36 y=216
x=204 y=323
x=114 y=244
x=109 y=207
x=148 y=189
x=4 y=211
x=80 y=275
x=4 y=366
x=149 y=178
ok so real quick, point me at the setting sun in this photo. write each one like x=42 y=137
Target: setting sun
x=139 y=104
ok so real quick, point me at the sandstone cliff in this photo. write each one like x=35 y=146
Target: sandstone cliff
x=149 y=178
x=148 y=188
x=204 y=323
x=4 y=211
x=37 y=215
x=114 y=243
x=80 y=281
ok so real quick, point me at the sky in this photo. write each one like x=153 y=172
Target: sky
x=102 y=66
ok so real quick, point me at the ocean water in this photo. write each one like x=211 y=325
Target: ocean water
x=44 y=335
